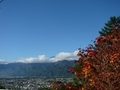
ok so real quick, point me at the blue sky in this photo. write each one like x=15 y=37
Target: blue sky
x=34 y=30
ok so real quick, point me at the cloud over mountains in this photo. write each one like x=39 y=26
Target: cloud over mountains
x=43 y=59
x=3 y=61
x=58 y=57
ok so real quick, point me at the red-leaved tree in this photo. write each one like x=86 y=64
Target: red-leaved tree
x=98 y=66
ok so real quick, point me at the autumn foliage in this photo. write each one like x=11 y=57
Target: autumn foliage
x=98 y=66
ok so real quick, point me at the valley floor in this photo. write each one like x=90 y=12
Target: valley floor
x=29 y=83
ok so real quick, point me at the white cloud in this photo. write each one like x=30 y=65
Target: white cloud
x=65 y=56
x=42 y=58
x=3 y=61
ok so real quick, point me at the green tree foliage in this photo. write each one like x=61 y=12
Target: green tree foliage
x=108 y=26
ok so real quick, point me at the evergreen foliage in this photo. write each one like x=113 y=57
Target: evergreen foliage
x=108 y=26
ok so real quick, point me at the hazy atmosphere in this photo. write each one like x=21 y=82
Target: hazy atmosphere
x=50 y=30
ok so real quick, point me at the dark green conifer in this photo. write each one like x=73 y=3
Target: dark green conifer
x=109 y=25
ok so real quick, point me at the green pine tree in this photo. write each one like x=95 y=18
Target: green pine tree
x=108 y=26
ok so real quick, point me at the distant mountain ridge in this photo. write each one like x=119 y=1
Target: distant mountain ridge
x=56 y=69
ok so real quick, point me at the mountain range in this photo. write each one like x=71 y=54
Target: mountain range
x=53 y=69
